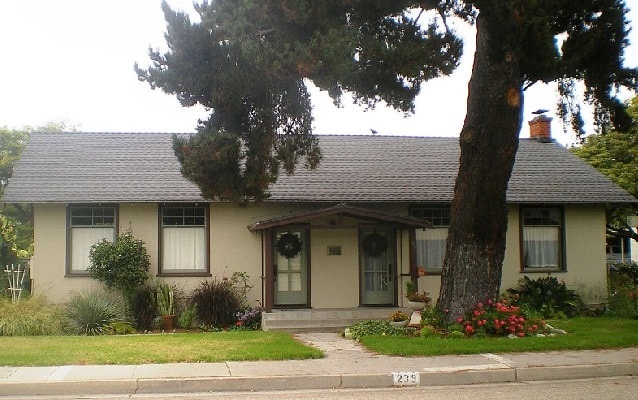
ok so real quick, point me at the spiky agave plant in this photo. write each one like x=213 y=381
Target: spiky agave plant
x=91 y=312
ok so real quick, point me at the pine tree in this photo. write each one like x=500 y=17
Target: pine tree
x=247 y=60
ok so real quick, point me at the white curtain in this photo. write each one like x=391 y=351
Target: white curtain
x=541 y=246
x=81 y=241
x=184 y=248
x=430 y=247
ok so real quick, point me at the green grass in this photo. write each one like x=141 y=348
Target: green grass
x=154 y=348
x=583 y=333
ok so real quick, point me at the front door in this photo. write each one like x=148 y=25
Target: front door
x=291 y=268
x=377 y=266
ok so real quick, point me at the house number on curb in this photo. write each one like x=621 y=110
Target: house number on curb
x=406 y=378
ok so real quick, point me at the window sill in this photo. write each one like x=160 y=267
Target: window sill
x=541 y=270
x=204 y=274
x=77 y=275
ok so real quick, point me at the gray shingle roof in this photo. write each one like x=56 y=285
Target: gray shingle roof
x=141 y=167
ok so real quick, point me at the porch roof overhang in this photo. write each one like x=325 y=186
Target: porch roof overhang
x=341 y=210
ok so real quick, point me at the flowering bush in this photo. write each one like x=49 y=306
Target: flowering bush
x=249 y=319
x=399 y=316
x=498 y=318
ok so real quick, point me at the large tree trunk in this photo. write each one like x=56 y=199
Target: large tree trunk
x=489 y=140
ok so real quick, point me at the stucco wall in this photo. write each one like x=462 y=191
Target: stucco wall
x=334 y=279
x=584 y=255
x=49 y=255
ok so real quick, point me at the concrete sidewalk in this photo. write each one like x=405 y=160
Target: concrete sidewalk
x=346 y=365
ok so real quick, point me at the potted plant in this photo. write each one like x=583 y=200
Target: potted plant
x=416 y=300
x=164 y=298
x=399 y=318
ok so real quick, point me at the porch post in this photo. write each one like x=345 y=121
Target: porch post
x=414 y=273
x=269 y=297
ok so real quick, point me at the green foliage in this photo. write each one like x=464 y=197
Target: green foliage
x=623 y=290
x=121 y=265
x=217 y=302
x=142 y=306
x=12 y=142
x=247 y=62
x=615 y=155
x=548 y=296
x=93 y=312
x=187 y=317
x=367 y=328
x=584 y=333
x=165 y=299
x=30 y=317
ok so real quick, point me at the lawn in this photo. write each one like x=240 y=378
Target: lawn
x=583 y=333
x=151 y=348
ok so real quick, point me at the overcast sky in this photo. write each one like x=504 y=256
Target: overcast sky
x=72 y=61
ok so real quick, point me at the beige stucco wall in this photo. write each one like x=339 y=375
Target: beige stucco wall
x=334 y=279
x=232 y=247
x=584 y=255
x=49 y=255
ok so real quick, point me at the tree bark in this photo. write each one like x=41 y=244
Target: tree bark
x=488 y=141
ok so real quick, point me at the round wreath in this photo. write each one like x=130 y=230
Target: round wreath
x=288 y=245
x=375 y=244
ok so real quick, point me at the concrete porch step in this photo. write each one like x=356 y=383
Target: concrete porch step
x=323 y=320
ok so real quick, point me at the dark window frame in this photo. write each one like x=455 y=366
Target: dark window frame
x=79 y=221
x=188 y=220
x=438 y=222
x=562 y=267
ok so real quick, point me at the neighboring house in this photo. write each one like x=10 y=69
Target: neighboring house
x=372 y=216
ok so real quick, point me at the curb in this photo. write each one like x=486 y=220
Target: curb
x=448 y=376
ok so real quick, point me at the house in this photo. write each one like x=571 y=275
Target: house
x=346 y=236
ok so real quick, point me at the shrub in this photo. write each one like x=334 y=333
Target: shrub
x=143 y=308
x=91 y=312
x=548 y=296
x=121 y=265
x=186 y=319
x=623 y=290
x=30 y=317
x=249 y=318
x=498 y=318
x=367 y=328
x=217 y=302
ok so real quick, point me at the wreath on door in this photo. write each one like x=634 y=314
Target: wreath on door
x=374 y=244
x=288 y=245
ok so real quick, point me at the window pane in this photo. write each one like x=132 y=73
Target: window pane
x=184 y=248
x=430 y=247
x=81 y=241
x=541 y=246
x=438 y=216
x=92 y=216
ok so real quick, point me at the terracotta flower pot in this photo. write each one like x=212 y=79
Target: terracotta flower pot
x=168 y=322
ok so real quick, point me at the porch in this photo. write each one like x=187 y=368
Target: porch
x=323 y=320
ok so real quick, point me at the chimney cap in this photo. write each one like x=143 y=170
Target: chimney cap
x=540 y=111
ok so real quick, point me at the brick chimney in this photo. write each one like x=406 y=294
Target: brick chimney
x=540 y=128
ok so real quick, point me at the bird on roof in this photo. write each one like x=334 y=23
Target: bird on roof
x=373 y=131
